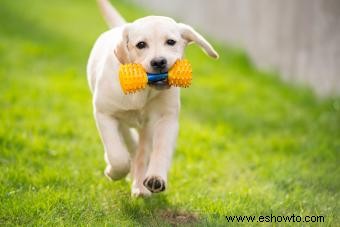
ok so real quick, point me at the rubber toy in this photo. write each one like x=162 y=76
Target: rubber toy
x=133 y=77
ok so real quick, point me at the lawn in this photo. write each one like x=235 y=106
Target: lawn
x=249 y=144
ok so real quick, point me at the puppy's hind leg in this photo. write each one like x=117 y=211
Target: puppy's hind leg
x=130 y=137
x=116 y=153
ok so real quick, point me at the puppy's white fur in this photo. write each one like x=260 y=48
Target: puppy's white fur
x=153 y=113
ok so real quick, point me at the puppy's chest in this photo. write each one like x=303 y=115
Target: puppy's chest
x=136 y=101
x=135 y=108
x=132 y=118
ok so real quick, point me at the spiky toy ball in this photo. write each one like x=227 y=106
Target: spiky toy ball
x=133 y=77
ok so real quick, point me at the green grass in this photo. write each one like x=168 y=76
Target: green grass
x=248 y=145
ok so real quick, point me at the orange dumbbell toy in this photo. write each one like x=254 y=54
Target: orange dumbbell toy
x=133 y=77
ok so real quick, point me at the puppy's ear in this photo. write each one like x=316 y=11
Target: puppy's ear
x=190 y=35
x=121 y=51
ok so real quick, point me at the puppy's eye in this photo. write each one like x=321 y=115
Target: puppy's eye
x=171 y=42
x=141 y=45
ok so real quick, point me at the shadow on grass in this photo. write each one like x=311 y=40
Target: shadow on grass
x=156 y=211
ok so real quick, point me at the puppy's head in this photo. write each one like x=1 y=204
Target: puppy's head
x=157 y=42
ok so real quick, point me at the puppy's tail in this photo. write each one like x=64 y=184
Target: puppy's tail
x=110 y=14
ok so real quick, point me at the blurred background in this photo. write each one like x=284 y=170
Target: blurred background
x=259 y=127
x=298 y=39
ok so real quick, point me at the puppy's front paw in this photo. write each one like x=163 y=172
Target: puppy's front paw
x=154 y=184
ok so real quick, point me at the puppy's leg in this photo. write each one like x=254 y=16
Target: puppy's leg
x=139 y=163
x=116 y=154
x=164 y=138
x=130 y=137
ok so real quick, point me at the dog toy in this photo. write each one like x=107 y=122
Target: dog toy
x=133 y=77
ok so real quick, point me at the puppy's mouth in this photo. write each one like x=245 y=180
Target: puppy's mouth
x=161 y=83
x=159 y=71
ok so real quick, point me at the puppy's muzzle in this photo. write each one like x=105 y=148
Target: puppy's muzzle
x=160 y=85
x=159 y=64
x=159 y=81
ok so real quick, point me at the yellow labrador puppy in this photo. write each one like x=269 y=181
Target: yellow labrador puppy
x=138 y=130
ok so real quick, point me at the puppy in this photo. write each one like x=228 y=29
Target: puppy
x=138 y=130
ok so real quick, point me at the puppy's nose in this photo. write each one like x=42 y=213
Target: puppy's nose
x=158 y=63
